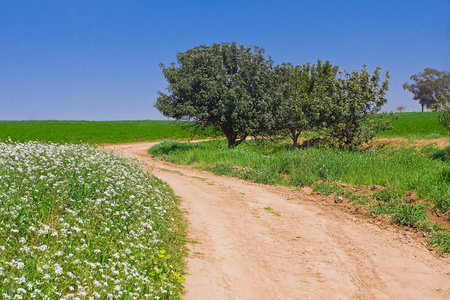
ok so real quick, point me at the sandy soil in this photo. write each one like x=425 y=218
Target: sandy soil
x=262 y=242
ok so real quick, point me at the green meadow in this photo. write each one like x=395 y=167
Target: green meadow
x=416 y=125
x=410 y=125
x=92 y=132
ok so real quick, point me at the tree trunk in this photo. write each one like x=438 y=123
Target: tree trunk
x=231 y=144
x=423 y=106
x=232 y=136
x=295 y=133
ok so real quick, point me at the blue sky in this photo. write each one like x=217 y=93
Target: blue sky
x=98 y=60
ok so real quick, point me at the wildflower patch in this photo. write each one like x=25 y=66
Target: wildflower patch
x=78 y=222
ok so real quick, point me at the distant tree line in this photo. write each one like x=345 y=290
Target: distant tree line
x=239 y=91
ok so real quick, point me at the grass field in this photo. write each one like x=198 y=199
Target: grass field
x=92 y=132
x=410 y=125
x=416 y=125
x=77 y=222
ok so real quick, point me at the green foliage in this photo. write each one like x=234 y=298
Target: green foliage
x=405 y=214
x=306 y=94
x=441 y=154
x=352 y=119
x=441 y=239
x=94 y=132
x=444 y=118
x=431 y=88
x=328 y=189
x=270 y=209
x=226 y=86
x=387 y=195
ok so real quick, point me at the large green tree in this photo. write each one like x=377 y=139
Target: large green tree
x=227 y=86
x=307 y=92
x=428 y=86
x=353 y=117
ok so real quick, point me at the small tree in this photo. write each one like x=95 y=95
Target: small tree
x=428 y=86
x=307 y=91
x=359 y=97
x=226 y=86
x=400 y=108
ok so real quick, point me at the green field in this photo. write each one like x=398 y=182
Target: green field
x=92 y=132
x=416 y=125
x=410 y=125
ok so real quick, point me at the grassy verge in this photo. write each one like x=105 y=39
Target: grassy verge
x=395 y=173
x=93 y=132
x=77 y=222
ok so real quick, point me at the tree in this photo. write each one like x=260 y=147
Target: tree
x=354 y=120
x=306 y=94
x=428 y=86
x=400 y=108
x=226 y=86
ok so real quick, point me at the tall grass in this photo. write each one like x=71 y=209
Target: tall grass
x=394 y=173
x=401 y=170
x=79 y=223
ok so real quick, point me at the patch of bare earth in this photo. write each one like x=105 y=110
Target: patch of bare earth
x=255 y=241
x=402 y=142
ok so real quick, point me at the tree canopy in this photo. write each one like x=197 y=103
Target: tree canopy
x=227 y=86
x=237 y=90
x=306 y=92
x=428 y=87
x=358 y=97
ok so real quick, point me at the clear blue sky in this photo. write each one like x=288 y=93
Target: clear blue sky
x=98 y=60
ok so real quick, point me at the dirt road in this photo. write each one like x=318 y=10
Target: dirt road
x=262 y=242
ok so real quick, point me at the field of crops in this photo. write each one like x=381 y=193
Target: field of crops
x=92 y=132
x=77 y=222
x=410 y=125
x=416 y=125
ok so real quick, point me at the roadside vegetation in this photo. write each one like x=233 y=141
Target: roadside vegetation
x=95 y=132
x=405 y=183
x=77 y=222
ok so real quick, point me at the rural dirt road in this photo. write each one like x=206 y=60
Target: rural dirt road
x=263 y=242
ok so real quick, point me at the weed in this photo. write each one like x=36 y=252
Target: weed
x=387 y=195
x=405 y=214
x=441 y=239
x=269 y=209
